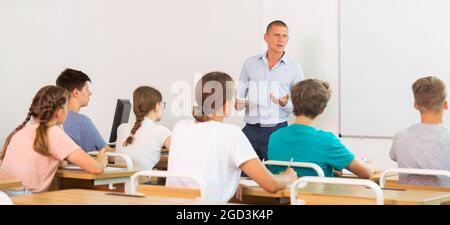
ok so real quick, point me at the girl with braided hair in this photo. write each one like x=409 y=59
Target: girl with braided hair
x=143 y=139
x=33 y=151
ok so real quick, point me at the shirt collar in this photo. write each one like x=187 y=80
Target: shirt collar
x=284 y=59
x=149 y=121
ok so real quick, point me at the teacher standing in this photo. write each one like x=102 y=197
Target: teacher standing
x=264 y=86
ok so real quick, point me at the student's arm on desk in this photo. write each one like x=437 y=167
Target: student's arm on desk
x=87 y=163
x=271 y=183
x=361 y=169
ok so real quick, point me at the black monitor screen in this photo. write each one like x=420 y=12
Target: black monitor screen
x=121 y=115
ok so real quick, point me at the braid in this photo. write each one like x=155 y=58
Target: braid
x=41 y=141
x=136 y=126
x=145 y=99
x=8 y=139
x=52 y=98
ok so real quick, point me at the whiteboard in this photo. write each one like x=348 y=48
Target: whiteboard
x=385 y=45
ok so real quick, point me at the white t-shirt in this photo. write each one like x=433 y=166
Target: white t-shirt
x=148 y=141
x=212 y=151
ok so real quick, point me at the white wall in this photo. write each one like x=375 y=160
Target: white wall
x=120 y=44
x=123 y=44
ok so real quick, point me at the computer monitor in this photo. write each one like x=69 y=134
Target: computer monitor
x=122 y=114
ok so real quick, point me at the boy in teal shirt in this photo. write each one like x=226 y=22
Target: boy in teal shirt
x=301 y=142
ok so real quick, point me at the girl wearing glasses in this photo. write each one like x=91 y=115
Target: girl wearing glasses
x=143 y=139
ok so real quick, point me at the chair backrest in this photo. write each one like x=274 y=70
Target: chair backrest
x=168 y=191
x=4 y=199
x=313 y=166
x=416 y=172
x=301 y=182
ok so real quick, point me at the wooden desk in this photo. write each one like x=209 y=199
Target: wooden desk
x=375 y=177
x=325 y=194
x=65 y=179
x=91 y=197
x=257 y=195
x=318 y=194
x=158 y=190
x=393 y=182
x=10 y=183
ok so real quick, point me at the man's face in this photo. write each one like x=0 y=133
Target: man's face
x=277 y=38
x=83 y=95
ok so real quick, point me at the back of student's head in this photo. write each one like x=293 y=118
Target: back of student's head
x=145 y=99
x=45 y=103
x=430 y=94
x=71 y=79
x=310 y=97
x=212 y=92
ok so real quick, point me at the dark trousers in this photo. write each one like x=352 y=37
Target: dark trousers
x=259 y=135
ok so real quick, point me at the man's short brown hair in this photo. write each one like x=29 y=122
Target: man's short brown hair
x=275 y=23
x=310 y=97
x=429 y=94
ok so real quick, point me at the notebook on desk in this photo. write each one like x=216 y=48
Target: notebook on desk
x=107 y=169
x=252 y=183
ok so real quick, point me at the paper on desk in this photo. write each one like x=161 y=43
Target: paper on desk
x=347 y=172
x=249 y=183
x=107 y=169
x=252 y=183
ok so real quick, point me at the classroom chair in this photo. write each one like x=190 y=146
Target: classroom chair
x=167 y=191
x=302 y=182
x=123 y=157
x=396 y=184
x=313 y=166
x=4 y=199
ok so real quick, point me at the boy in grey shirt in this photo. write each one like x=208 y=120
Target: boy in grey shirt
x=79 y=127
x=425 y=145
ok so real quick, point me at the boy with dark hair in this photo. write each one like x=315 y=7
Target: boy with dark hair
x=78 y=126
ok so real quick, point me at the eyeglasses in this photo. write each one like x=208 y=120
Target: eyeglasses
x=163 y=104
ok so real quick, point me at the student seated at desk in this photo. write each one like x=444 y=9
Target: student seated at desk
x=143 y=139
x=214 y=151
x=302 y=142
x=33 y=151
x=78 y=126
x=425 y=145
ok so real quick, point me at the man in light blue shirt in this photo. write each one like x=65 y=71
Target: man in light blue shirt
x=264 y=86
x=78 y=126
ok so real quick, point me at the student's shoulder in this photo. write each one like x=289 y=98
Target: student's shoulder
x=402 y=133
x=74 y=116
x=327 y=135
x=56 y=131
x=162 y=128
x=282 y=132
x=412 y=130
x=226 y=127
x=183 y=124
